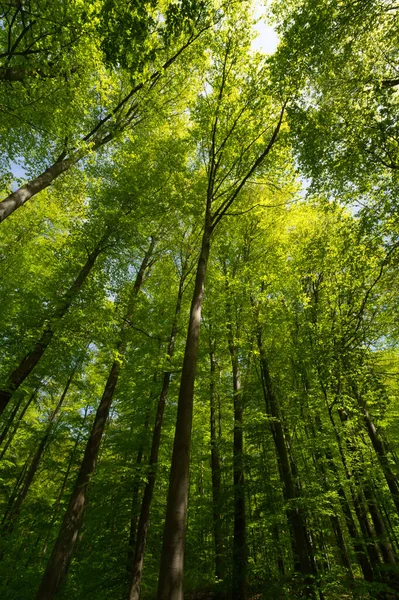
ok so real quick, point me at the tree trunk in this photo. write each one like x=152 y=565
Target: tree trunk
x=379 y=526
x=302 y=560
x=10 y=419
x=97 y=136
x=29 y=362
x=62 y=552
x=136 y=490
x=144 y=519
x=34 y=465
x=63 y=485
x=216 y=472
x=16 y=425
x=364 y=563
x=23 y=194
x=383 y=459
x=239 y=578
x=361 y=513
x=170 y=583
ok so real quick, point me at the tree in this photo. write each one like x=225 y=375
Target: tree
x=226 y=180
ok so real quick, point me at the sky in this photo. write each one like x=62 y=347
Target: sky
x=267 y=39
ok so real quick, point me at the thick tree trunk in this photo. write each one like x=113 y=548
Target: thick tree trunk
x=62 y=552
x=239 y=579
x=170 y=583
x=23 y=194
x=144 y=519
x=29 y=362
x=216 y=472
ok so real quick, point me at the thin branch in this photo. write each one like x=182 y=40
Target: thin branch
x=219 y=215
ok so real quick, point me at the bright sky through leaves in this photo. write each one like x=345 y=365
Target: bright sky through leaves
x=267 y=39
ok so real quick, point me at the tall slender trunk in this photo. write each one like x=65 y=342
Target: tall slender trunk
x=363 y=561
x=299 y=536
x=62 y=552
x=216 y=472
x=10 y=419
x=34 y=465
x=29 y=362
x=334 y=519
x=170 y=583
x=356 y=492
x=382 y=455
x=134 y=511
x=18 y=422
x=144 y=519
x=239 y=578
x=379 y=525
x=63 y=484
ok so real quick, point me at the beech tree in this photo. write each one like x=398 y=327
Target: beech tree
x=198 y=311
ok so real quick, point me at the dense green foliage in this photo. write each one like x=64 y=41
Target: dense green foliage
x=161 y=261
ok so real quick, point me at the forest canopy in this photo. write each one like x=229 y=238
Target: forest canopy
x=199 y=251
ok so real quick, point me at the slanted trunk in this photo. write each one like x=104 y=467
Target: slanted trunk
x=361 y=513
x=144 y=519
x=18 y=422
x=63 y=485
x=98 y=136
x=10 y=419
x=334 y=519
x=170 y=583
x=29 y=362
x=34 y=465
x=216 y=473
x=382 y=455
x=350 y=523
x=379 y=526
x=62 y=552
x=23 y=194
x=361 y=553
